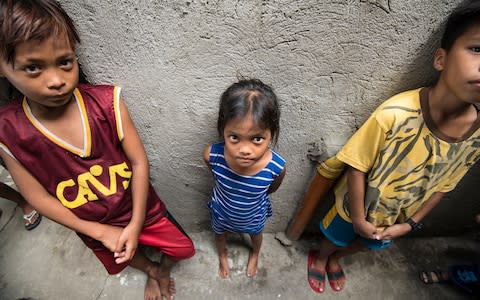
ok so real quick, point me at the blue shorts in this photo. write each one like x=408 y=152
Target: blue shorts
x=341 y=233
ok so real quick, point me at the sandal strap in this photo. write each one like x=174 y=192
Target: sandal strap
x=335 y=275
x=427 y=276
x=316 y=275
x=30 y=216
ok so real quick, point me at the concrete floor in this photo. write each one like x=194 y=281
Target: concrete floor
x=52 y=263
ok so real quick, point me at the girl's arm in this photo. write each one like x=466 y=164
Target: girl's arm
x=277 y=182
x=206 y=156
x=50 y=207
x=398 y=230
x=133 y=147
x=356 y=198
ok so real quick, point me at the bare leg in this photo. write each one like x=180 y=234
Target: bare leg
x=10 y=194
x=334 y=266
x=223 y=268
x=159 y=284
x=253 y=255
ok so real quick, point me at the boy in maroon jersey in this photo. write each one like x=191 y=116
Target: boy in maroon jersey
x=73 y=150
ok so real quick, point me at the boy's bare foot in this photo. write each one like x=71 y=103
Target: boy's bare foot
x=152 y=289
x=155 y=289
x=252 y=264
x=164 y=285
x=223 y=268
x=167 y=287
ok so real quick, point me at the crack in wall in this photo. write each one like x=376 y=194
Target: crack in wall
x=383 y=4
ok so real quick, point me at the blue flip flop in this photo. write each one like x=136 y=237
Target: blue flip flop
x=466 y=277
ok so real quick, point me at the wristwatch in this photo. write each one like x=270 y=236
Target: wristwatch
x=415 y=226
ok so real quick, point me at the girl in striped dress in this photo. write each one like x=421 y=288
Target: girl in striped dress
x=246 y=170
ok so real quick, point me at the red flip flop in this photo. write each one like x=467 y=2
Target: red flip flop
x=333 y=277
x=315 y=275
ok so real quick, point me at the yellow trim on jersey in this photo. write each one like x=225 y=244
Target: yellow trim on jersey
x=87 y=142
x=87 y=135
x=116 y=108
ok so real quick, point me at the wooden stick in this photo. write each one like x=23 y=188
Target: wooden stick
x=319 y=186
x=327 y=172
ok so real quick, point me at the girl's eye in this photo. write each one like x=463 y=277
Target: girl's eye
x=258 y=139
x=475 y=49
x=32 y=69
x=233 y=138
x=66 y=64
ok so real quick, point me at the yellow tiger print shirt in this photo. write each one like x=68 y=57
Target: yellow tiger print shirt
x=406 y=159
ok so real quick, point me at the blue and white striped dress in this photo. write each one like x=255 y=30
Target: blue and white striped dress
x=240 y=203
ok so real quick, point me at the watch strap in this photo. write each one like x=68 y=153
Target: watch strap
x=415 y=226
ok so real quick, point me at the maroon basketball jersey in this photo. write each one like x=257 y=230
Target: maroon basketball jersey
x=94 y=182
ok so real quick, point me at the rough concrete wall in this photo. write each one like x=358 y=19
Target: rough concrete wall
x=330 y=62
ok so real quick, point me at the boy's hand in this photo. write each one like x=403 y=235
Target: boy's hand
x=394 y=231
x=365 y=229
x=109 y=236
x=127 y=244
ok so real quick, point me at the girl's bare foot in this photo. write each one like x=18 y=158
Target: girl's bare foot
x=252 y=264
x=223 y=268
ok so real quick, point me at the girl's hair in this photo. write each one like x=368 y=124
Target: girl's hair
x=27 y=20
x=253 y=98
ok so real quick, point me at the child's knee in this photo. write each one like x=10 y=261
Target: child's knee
x=186 y=251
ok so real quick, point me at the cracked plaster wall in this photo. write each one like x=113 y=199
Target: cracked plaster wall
x=330 y=62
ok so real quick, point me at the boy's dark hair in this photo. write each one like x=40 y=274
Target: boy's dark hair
x=462 y=18
x=27 y=20
x=250 y=97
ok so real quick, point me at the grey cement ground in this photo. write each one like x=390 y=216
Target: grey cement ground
x=51 y=262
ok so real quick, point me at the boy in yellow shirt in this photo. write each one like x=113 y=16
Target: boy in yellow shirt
x=412 y=150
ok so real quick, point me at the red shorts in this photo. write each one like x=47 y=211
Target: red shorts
x=166 y=236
